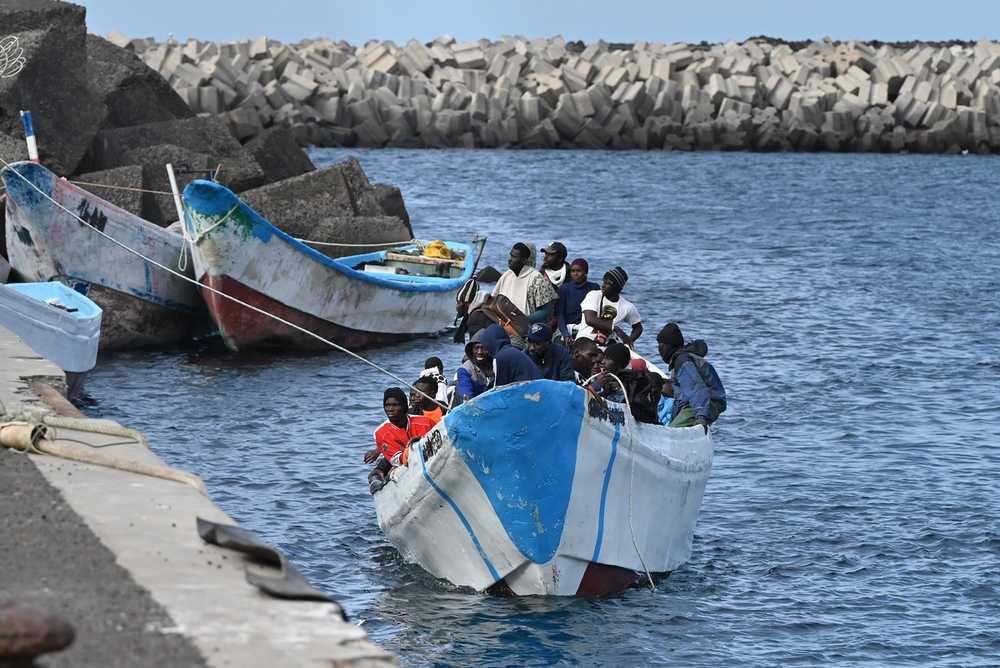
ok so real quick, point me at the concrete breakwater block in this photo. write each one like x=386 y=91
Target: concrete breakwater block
x=332 y=205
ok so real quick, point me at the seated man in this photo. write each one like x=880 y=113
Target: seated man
x=553 y=360
x=615 y=360
x=699 y=396
x=554 y=263
x=420 y=404
x=571 y=294
x=525 y=287
x=584 y=354
x=475 y=376
x=510 y=365
x=394 y=435
x=604 y=312
x=435 y=367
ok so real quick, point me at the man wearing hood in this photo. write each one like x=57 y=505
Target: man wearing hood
x=526 y=287
x=510 y=365
x=475 y=376
x=699 y=396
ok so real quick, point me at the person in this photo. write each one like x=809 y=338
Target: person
x=554 y=263
x=571 y=294
x=393 y=436
x=553 y=361
x=526 y=287
x=604 y=312
x=616 y=359
x=469 y=307
x=584 y=354
x=510 y=365
x=434 y=367
x=699 y=396
x=420 y=404
x=666 y=405
x=475 y=376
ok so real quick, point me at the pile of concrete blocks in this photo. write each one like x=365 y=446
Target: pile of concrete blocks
x=761 y=95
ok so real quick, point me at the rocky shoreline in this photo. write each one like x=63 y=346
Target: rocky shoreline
x=762 y=95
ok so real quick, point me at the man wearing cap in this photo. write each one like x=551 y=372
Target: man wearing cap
x=553 y=361
x=554 y=263
x=606 y=310
x=699 y=396
x=571 y=294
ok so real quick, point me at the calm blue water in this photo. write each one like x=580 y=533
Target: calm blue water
x=851 y=306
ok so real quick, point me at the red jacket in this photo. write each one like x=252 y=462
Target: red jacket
x=390 y=439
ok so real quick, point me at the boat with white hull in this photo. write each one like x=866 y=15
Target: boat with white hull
x=541 y=488
x=356 y=302
x=143 y=304
x=56 y=322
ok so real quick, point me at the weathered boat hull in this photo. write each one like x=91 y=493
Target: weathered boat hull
x=70 y=338
x=240 y=254
x=143 y=304
x=536 y=488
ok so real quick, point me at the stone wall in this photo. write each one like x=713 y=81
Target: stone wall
x=761 y=95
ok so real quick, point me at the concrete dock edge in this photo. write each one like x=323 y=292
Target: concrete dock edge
x=199 y=600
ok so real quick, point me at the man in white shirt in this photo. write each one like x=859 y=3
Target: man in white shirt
x=605 y=311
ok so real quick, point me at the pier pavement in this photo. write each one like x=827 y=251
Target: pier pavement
x=118 y=555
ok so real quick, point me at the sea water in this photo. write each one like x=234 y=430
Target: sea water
x=850 y=304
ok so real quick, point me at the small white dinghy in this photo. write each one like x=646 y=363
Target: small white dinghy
x=56 y=322
x=541 y=488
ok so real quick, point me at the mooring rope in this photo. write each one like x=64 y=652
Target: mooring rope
x=223 y=294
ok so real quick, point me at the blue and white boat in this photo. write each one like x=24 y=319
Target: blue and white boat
x=56 y=322
x=541 y=488
x=356 y=302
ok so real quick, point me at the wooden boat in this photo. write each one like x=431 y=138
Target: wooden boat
x=356 y=302
x=56 y=322
x=539 y=488
x=143 y=304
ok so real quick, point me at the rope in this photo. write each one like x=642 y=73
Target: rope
x=75 y=424
x=388 y=244
x=630 y=425
x=33 y=438
x=104 y=185
x=223 y=294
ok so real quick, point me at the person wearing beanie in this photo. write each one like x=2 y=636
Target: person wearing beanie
x=699 y=396
x=571 y=294
x=554 y=263
x=553 y=360
x=525 y=286
x=615 y=361
x=393 y=435
x=605 y=311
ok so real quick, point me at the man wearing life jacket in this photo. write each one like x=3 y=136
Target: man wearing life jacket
x=699 y=396
x=393 y=435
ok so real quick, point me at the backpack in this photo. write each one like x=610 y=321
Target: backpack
x=643 y=395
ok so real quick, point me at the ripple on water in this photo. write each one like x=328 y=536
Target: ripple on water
x=851 y=306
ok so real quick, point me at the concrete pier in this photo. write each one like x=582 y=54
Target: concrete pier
x=117 y=554
x=760 y=95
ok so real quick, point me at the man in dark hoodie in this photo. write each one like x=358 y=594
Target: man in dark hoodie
x=510 y=365
x=699 y=396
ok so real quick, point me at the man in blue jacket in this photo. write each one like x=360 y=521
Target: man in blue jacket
x=510 y=365
x=699 y=396
x=553 y=360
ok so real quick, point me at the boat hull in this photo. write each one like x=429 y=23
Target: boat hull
x=537 y=488
x=240 y=254
x=143 y=304
x=68 y=337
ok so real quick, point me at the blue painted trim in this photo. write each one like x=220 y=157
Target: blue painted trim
x=454 y=506
x=212 y=199
x=604 y=490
